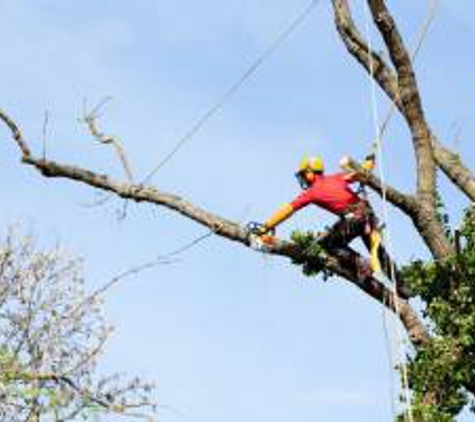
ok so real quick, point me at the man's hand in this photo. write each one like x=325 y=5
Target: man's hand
x=369 y=162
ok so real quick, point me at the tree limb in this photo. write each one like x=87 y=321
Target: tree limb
x=342 y=263
x=403 y=92
x=405 y=202
x=451 y=164
x=410 y=101
x=383 y=74
x=359 y=49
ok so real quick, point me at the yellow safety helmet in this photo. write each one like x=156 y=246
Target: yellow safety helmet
x=314 y=164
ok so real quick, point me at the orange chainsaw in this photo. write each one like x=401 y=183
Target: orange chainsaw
x=260 y=237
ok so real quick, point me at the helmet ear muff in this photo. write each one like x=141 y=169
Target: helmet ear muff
x=308 y=168
x=302 y=179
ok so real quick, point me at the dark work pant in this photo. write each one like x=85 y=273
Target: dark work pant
x=349 y=227
x=360 y=224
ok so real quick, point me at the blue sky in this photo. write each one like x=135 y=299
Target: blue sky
x=226 y=334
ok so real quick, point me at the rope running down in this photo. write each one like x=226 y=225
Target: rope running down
x=379 y=150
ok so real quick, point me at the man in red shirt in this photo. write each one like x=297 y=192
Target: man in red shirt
x=333 y=193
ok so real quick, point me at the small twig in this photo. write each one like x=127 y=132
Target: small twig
x=45 y=129
x=90 y=119
x=162 y=259
x=159 y=260
x=122 y=212
x=100 y=105
x=101 y=199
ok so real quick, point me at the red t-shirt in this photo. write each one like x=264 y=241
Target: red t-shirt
x=331 y=192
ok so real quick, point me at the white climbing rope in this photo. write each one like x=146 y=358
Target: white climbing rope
x=400 y=345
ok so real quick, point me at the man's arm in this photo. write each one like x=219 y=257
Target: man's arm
x=282 y=214
x=286 y=210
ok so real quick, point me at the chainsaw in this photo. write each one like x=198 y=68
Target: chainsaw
x=260 y=237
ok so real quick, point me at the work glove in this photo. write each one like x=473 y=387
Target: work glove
x=263 y=230
x=369 y=162
x=257 y=229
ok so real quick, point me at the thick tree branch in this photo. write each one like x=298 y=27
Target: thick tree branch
x=431 y=228
x=383 y=74
x=451 y=164
x=405 y=202
x=341 y=263
x=405 y=97
x=404 y=93
x=345 y=263
x=411 y=102
x=359 y=49
x=90 y=119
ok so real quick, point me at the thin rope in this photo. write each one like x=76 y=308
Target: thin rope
x=229 y=93
x=389 y=356
x=381 y=173
x=159 y=260
x=377 y=143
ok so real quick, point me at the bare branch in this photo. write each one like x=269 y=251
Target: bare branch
x=452 y=166
x=16 y=133
x=357 y=47
x=387 y=80
x=90 y=119
x=405 y=96
x=219 y=225
x=342 y=263
x=410 y=100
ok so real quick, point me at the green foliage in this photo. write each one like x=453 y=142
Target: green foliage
x=447 y=363
x=313 y=256
x=426 y=413
x=19 y=384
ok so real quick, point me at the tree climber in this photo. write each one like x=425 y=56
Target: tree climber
x=333 y=193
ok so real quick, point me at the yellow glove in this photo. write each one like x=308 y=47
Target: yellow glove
x=369 y=162
x=375 y=241
x=284 y=212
